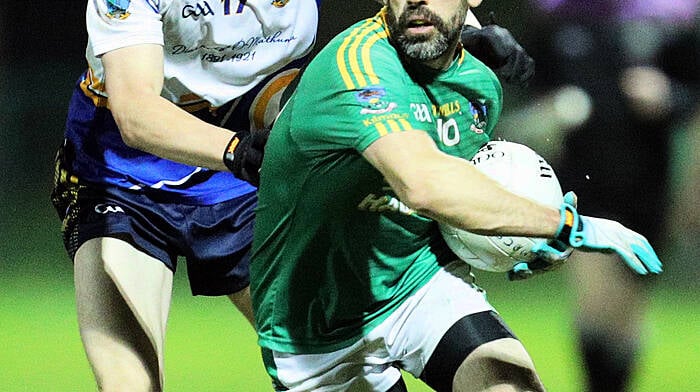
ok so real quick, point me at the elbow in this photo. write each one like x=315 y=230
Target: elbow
x=128 y=127
x=420 y=196
x=130 y=135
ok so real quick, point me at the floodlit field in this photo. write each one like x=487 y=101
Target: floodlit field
x=210 y=348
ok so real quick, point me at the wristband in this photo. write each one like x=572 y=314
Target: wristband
x=570 y=226
x=229 y=152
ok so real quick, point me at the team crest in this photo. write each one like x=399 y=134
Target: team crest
x=118 y=9
x=479 y=115
x=279 y=3
x=371 y=97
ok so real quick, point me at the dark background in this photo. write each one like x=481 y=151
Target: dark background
x=42 y=46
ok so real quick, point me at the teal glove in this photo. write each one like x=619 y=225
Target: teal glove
x=590 y=234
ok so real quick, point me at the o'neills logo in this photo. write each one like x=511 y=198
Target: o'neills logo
x=279 y=3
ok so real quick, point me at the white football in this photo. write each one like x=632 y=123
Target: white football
x=522 y=171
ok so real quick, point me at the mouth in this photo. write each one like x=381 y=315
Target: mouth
x=419 y=25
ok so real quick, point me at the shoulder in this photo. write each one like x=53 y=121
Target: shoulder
x=360 y=55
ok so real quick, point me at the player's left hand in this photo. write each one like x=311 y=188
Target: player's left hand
x=551 y=255
x=244 y=154
x=496 y=47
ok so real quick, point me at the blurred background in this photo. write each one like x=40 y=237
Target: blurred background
x=575 y=111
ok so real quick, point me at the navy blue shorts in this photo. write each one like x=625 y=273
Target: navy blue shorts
x=215 y=240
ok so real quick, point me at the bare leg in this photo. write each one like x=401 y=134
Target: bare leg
x=123 y=300
x=501 y=365
x=242 y=301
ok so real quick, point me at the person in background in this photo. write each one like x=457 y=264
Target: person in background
x=351 y=279
x=616 y=78
x=176 y=96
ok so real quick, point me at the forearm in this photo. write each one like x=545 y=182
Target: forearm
x=157 y=126
x=452 y=190
x=460 y=195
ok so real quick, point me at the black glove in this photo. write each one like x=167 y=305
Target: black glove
x=244 y=154
x=496 y=47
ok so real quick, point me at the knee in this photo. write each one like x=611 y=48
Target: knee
x=117 y=366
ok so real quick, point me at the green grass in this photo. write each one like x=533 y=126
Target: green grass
x=211 y=348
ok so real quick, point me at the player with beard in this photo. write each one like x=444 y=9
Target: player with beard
x=351 y=280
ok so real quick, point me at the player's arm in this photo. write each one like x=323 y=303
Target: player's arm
x=451 y=190
x=149 y=122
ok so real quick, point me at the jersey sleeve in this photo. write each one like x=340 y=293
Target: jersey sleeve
x=358 y=90
x=115 y=24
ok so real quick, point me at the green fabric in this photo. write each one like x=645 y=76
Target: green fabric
x=335 y=252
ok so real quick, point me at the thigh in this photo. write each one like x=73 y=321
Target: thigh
x=415 y=330
x=363 y=367
x=123 y=299
x=219 y=240
x=480 y=353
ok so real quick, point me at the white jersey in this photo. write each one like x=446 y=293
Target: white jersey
x=214 y=50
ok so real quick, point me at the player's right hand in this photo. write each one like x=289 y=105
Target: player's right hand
x=244 y=154
x=602 y=235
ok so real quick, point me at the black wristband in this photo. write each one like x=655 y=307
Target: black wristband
x=230 y=151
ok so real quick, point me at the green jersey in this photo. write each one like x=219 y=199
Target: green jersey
x=335 y=251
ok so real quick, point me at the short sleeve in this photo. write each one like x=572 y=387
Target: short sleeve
x=358 y=91
x=114 y=24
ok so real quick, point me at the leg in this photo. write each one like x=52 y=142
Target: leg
x=608 y=319
x=123 y=300
x=480 y=353
x=243 y=302
x=498 y=366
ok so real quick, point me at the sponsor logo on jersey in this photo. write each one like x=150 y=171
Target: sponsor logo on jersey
x=384 y=203
x=279 y=3
x=371 y=97
x=384 y=117
x=118 y=9
x=447 y=109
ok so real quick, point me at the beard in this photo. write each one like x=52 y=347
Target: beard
x=424 y=47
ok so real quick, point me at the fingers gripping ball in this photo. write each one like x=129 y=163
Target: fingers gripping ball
x=522 y=171
x=244 y=154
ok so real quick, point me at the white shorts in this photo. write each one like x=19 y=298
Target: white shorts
x=405 y=340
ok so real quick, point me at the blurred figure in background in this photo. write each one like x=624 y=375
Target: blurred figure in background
x=616 y=77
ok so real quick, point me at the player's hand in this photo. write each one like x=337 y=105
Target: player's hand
x=590 y=234
x=550 y=255
x=244 y=154
x=496 y=47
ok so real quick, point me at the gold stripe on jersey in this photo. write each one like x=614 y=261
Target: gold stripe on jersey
x=381 y=128
x=353 y=55
x=395 y=125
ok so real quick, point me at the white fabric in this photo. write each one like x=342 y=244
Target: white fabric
x=211 y=50
x=408 y=336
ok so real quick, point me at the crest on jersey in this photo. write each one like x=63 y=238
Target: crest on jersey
x=279 y=3
x=118 y=9
x=371 y=97
x=480 y=117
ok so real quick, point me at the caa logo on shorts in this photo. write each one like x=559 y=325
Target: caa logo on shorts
x=108 y=209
